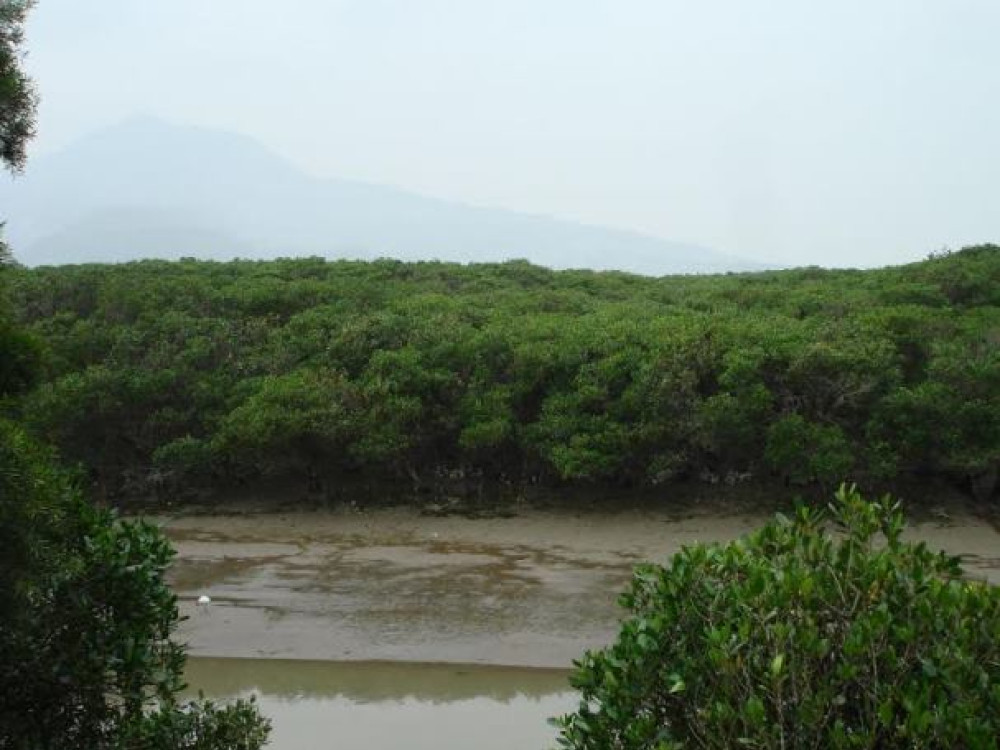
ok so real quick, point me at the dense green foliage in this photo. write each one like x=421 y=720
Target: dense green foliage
x=17 y=93
x=164 y=375
x=796 y=637
x=85 y=625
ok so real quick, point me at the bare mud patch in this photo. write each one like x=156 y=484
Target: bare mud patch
x=394 y=585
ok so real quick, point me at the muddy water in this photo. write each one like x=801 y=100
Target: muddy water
x=297 y=598
x=383 y=705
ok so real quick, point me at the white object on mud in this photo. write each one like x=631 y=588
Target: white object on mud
x=204 y=601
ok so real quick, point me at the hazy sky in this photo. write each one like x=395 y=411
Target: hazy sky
x=842 y=132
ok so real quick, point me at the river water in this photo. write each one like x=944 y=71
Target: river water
x=390 y=629
x=387 y=705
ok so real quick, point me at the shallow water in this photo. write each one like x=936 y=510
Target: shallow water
x=383 y=705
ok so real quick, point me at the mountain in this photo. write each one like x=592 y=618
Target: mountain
x=146 y=188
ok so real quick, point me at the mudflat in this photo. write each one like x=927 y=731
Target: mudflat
x=390 y=584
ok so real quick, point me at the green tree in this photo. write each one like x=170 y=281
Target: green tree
x=799 y=636
x=17 y=125
x=950 y=423
x=17 y=92
x=805 y=452
x=300 y=420
x=86 y=619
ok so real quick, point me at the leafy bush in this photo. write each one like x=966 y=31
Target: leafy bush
x=86 y=620
x=806 y=452
x=799 y=635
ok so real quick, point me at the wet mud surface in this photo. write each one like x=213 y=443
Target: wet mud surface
x=391 y=585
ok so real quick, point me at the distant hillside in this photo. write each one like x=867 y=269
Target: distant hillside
x=148 y=189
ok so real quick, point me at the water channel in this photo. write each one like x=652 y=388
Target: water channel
x=388 y=705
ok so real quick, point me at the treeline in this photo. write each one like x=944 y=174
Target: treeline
x=161 y=377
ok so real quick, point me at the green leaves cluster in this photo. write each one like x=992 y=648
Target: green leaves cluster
x=86 y=620
x=163 y=375
x=17 y=93
x=799 y=635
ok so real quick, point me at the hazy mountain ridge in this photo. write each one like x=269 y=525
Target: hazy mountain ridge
x=149 y=189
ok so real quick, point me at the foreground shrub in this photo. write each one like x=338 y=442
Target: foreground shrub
x=799 y=635
x=87 y=658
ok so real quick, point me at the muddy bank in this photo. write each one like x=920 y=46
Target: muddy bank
x=533 y=590
x=371 y=682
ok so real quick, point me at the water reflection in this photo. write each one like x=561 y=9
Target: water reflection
x=376 y=705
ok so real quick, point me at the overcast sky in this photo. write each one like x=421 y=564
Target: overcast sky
x=848 y=132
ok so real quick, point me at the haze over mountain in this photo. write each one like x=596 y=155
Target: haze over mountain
x=146 y=188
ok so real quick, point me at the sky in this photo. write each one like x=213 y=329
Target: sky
x=836 y=133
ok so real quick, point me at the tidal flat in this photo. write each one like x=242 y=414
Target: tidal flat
x=373 y=628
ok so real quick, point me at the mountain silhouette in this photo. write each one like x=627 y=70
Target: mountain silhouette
x=146 y=188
